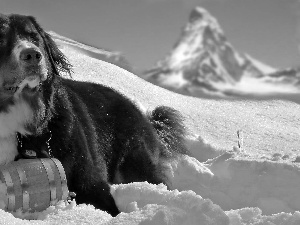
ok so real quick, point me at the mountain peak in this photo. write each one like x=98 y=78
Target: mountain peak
x=201 y=17
x=199 y=13
x=202 y=58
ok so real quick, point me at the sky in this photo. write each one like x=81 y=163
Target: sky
x=146 y=30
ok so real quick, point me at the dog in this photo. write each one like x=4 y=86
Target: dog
x=99 y=135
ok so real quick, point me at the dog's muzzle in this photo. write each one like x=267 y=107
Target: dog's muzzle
x=32 y=69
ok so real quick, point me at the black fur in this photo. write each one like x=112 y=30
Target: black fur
x=99 y=135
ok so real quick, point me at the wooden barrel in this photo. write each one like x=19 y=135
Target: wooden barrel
x=34 y=184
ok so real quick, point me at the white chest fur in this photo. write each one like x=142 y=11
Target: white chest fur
x=12 y=121
x=8 y=149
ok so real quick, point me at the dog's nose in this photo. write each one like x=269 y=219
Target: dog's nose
x=30 y=56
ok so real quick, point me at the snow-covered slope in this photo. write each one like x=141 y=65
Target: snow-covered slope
x=259 y=168
x=203 y=62
x=108 y=56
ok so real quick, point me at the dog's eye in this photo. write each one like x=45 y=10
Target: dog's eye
x=33 y=36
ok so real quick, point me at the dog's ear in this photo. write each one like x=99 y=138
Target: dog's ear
x=57 y=58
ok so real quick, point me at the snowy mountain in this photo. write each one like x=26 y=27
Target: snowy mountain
x=115 y=58
x=287 y=76
x=203 y=62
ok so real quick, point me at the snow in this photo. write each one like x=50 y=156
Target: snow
x=169 y=207
x=238 y=57
x=175 y=80
x=220 y=183
x=186 y=50
x=63 y=41
x=261 y=66
x=257 y=87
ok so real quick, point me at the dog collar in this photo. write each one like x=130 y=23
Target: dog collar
x=28 y=150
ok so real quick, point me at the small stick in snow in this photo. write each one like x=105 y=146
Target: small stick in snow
x=240 y=136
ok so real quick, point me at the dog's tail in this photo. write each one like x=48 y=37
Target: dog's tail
x=168 y=124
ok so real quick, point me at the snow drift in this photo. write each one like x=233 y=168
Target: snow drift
x=250 y=179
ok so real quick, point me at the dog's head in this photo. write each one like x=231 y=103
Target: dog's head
x=28 y=57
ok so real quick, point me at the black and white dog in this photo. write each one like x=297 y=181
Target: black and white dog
x=99 y=135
